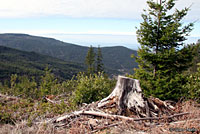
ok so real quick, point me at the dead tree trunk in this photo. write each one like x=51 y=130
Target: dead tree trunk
x=128 y=95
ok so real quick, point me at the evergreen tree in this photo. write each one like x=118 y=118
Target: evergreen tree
x=99 y=61
x=163 y=57
x=196 y=58
x=90 y=61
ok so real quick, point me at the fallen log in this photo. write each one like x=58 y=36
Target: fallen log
x=113 y=117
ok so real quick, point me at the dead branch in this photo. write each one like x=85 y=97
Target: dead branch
x=9 y=98
x=104 y=127
x=159 y=118
x=76 y=113
x=183 y=121
x=114 y=117
x=54 y=102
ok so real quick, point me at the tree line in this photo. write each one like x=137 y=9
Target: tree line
x=94 y=64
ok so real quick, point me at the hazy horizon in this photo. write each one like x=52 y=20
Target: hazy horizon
x=85 y=22
x=129 y=41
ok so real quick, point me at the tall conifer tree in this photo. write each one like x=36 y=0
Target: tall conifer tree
x=163 y=55
x=99 y=61
x=90 y=61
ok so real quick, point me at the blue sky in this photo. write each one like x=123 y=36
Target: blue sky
x=84 y=22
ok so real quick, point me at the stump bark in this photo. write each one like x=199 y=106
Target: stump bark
x=128 y=96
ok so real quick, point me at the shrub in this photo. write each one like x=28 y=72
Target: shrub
x=21 y=86
x=25 y=87
x=48 y=84
x=91 y=88
x=193 y=86
x=80 y=89
x=5 y=117
x=165 y=88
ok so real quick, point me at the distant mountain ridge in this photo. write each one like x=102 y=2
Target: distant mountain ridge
x=13 y=61
x=115 y=58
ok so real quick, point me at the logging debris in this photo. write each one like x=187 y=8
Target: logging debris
x=125 y=104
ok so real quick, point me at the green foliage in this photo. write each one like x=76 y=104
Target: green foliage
x=114 y=58
x=91 y=88
x=196 y=59
x=48 y=84
x=163 y=57
x=193 y=86
x=90 y=61
x=29 y=105
x=21 y=86
x=24 y=109
x=18 y=62
x=5 y=117
x=68 y=86
x=118 y=59
x=28 y=88
x=85 y=88
x=99 y=61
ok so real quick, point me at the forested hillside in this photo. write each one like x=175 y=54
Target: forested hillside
x=114 y=58
x=14 y=61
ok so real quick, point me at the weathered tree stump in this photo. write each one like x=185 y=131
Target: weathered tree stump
x=126 y=99
x=127 y=95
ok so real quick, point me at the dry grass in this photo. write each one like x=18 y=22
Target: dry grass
x=184 y=124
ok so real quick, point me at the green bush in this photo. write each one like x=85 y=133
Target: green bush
x=165 y=87
x=20 y=86
x=5 y=117
x=48 y=84
x=68 y=86
x=80 y=89
x=25 y=87
x=193 y=86
x=91 y=88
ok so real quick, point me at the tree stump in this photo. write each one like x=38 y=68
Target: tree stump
x=127 y=95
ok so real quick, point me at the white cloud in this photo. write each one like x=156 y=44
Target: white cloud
x=58 y=32
x=83 y=8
